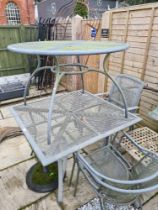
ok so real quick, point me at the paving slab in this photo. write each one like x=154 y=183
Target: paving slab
x=14 y=191
x=47 y=203
x=1 y=117
x=84 y=194
x=152 y=204
x=70 y=202
x=8 y=122
x=13 y=151
x=5 y=112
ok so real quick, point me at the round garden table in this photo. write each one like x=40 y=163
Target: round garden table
x=60 y=125
x=69 y=48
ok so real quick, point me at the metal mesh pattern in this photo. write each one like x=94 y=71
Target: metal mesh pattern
x=66 y=133
x=75 y=101
x=100 y=161
x=104 y=117
x=131 y=87
x=145 y=138
x=77 y=121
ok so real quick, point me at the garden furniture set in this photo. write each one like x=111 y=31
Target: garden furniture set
x=63 y=124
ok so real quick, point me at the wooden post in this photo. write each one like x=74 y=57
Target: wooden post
x=76 y=27
x=72 y=82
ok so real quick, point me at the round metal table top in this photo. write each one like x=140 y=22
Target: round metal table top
x=68 y=47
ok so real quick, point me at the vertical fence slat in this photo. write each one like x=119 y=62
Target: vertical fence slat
x=110 y=35
x=148 y=44
x=125 y=40
x=12 y=63
x=110 y=25
x=140 y=60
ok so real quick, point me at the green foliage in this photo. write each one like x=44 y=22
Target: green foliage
x=42 y=178
x=134 y=2
x=81 y=9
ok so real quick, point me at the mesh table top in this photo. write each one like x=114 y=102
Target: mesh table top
x=68 y=47
x=78 y=120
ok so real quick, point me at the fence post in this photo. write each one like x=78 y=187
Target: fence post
x=73 y=81
x=102 y=81
x=76 y=27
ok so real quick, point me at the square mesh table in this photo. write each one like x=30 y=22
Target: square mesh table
x=78 y=120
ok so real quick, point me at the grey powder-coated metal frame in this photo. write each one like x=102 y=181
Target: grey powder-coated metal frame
x=87 y=117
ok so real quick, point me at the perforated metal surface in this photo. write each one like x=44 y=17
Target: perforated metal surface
x=106 y=158
x=144 y=137
x=68 y=47
x=78 y=120
x=131 y=87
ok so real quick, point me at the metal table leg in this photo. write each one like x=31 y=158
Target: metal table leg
x=61 y=172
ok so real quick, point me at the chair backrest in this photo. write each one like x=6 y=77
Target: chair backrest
x=154 y=114
x=142 y=179
x=131 y=87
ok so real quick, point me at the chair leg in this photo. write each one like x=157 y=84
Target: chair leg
x=138 y=205
x=76 y=183
x=101 y=204
x=73 y=167
x=106 y=141
x=113 y=138
x=72 y=171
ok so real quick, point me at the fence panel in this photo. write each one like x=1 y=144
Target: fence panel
x=12 y=63
x=137 y=26
x=91 y=79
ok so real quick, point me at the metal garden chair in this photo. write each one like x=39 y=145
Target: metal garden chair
x=132 y=89
x=142 y=137
x=118 y=184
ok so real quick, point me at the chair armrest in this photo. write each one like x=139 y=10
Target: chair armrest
x=134 y=108
x=106 y=94
x=132 y=140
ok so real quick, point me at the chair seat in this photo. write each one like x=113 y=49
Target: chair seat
x=106 y=162
x=145 y=138
x=109 y=162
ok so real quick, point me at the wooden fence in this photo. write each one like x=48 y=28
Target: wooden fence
x=91 y=79
x=12 y=63
x=138 y=26
x=81 y=29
